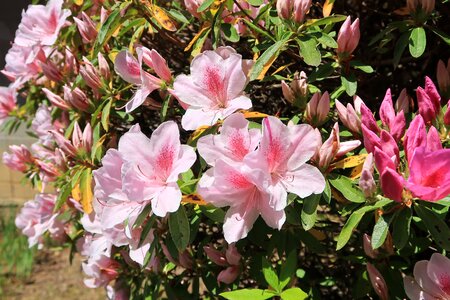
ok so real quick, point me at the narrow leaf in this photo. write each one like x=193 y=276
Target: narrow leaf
x=179 y=228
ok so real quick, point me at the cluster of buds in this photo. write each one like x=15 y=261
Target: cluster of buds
x=348 y=39
x=18 y=158
x=75 y=98
x=317 y=109
x=297 y=91
x=230 y=260
x=416 y=7
x=93 y=76
x=295 y=10
x=81 y=140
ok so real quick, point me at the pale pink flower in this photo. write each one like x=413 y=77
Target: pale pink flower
x=232 y=144
x=228 y=184
x=22 y=64
x=348 y=37
x=100 y=271
x=431 y=279
x=8 y=101
x=42 y=125
x=37 y=217
x=130 y=69
x=332 y=148
x=18 y=159
x=41 y=24
x=152 y=166
x=215 y=88
x=281 y=157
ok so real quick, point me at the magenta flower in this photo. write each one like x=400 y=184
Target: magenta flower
x=233 y=143
x=395 y=122
x=431 y=279
x=215 y=88
x=429 y=101
x=281 y=157
x=152 y=166
x=41 y=24
x=130 y=69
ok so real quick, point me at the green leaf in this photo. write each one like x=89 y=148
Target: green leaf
x=293 y=294
x=400 y=47
x=360 y=66
x=214 y=213
x=436 y=227
x=350 y=84
x=288 y=269
x=268 y=56
x=417 y=42
x=349 y=191
x=179 y=228
x=326 y=195
x=251 y=294
x=401 y=230
x=142 y=216
x=308 y=50
x=380 y=231
x=328 y=20
x=354 y=219
x=255 y=2
x=111 y=24
x=309 y=211
x=205 y=5
x=442 y=35
x=269 y=274
x=63 y=194
x=230 y=33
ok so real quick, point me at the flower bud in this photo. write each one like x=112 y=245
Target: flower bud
x=18 y=158
x=370 y=252
x=7 y=102
x=86 y=27
x=293 y=9
x=429 y=101
x=215 y=256
x=317 y=109
x=232 y=255
x=348 y=38
x=103 y=67
x=51 y=71
x=77 y=98
x=56 y=100
x=296 y=91
x=366 y=181
x=90 y=75
x=155 y=61
x=378 y=282
x=443 y=78
x=447 y=115
x=349 y=115
x=228 y=275
x=403 y=101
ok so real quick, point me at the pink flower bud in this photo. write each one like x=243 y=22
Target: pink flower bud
x=215 y=256
x=348 y=37
x=428 y=100
x=317 y=109
x=7 y=102
x=443 y=77
x=370 y=252
x=56 y=100
x=90 y=75
x=378 y=283
x=371 y=139
x=228 y=275
x=51 y=71
x=447 y=115
x=403 y=101
x=155 y=61
x=392 y=184
x=86 y=27
x=368 y=119
x=349 y=115
x=232 y=255
x=104 y=13
x=433 y=140
x=293 y=9
x=366 y=181
x=329 y=149
x=82 y=140
x=297 y=91
x=396 y=123
x=416 y=136
x=103 y=66
x=192 y=6
x=64 y=143
x=71 y=65
x=288 y=93
x=77 y=98
x=18 y=159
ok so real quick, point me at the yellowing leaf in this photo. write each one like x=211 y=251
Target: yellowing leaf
x=86 y=190
x=282 y=68
x=356 y=172
x=266 y=67
x=253 y=114
x=327 y=7
x=78 y=2
x=76 y=193
x=193 y=199
x=350 y=162
x=162 y=17
x=196 y=37
x=338 y=196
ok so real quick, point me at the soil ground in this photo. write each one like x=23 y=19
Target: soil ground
x=52 y=278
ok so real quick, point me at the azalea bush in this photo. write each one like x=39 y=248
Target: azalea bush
x=237 y=149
